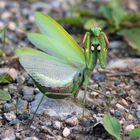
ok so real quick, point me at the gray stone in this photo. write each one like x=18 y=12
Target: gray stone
x=73 y=121
x=5 y=15
x=138 y=107
x=20 y=79
x=14 y=122
x=129 y=128
x=2 y=4
x=28 y=93
x=26 y=12
x=11 y=73
x=41 y=6
x=8 y=107
x=12 y=88
x=21 y=106
x=138 y=112
x=66 y=132
x=116 y=44
x=8 y=134
x=123 y=63
x=2 y=25
x=117 y=113
x=10 y=116
x=31 y=138
x=57 y=108
x=57 y=125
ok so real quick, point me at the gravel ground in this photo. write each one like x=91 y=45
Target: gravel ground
x=62 y=119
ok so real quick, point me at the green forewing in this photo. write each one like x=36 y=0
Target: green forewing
x=103 y=53
x=53 y=47
x=69 y=48
x=45 y=69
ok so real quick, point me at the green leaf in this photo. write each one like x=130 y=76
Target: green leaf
x=76 y=21
x=5 y=96
x=132 y=36
x=5 y=79
x=114 y=12
x=112 y=126
x=84 y=13
x=1 y=53
x=6 y=76
x=135 y=133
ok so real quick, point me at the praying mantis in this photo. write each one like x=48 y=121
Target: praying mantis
x=60 y=67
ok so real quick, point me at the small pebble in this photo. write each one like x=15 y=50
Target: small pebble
x=129 y=128
x=138 y=112
x=30 y=82
x=120 y=107
x=28 y=93
x=116 y=44
x=2 y=25
x=2 y=4
x=107 y=92
x=26 y=12
x=14 y=122
x=57 y=125
x=40 y=6
x=9 y=72
x=73 y=121
x=113 y=92
x=13 y=73
x=94 y=94
x=117 y=83
x=99 y=77
x=20 y=79
x=50 y=113
x=124 y=102
x=21 y=106
x=18 y=135
x=138 y=107
x=12 y=26
x=8 y=134
x=113 y=101
x=117 y=113
x=12 y=88
x=33 y=127
x=123 y=121
x=130 y=117
x=5 y=15
x=66 y=132
x=94 y=86
x=132 y=92
x=24 y=117
x=10 y=116
x=8 y=107
x=31 y=138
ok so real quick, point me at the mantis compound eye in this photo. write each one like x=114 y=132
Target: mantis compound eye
x=99 y=48
x=92 y=48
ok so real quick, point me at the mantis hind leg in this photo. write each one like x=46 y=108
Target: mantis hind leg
x=84 y=97
x=36 y=109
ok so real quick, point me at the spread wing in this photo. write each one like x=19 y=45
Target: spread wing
x=56 y=41
x=47 y=71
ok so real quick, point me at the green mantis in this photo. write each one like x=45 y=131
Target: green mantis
x=60 y=67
